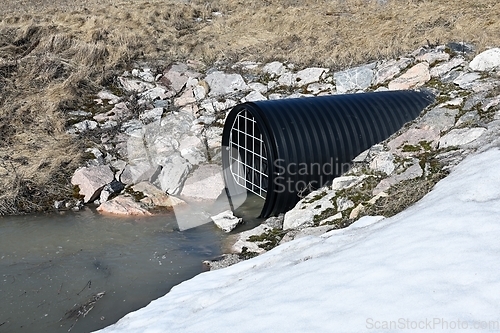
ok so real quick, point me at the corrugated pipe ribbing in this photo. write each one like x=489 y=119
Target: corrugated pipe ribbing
x=280 y=148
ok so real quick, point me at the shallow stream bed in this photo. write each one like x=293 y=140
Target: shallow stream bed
x=54 y=268
x=82 y=271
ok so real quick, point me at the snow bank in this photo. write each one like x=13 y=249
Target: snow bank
x=434 y=266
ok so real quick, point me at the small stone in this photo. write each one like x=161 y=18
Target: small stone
x=153 y=115
x=356 y=211
x=433 y=57
x=106 y=95
x=154 y=94
x=344 y=204
x=192 y=149
x=146 y=75
x=132 y=85
x=257 y=86
x=474 y=100
x=226 y=220
x=317 y=88
x=83 y=126
x=287 y=79
x=274 y=68
x=275 y=222
x=384 y=162
x=490 y=102
x=439 y=118
x=461 y=47
x=200 y=92
x=412 y=172
x=174 y=174
x=253 y=97
x=309 y=75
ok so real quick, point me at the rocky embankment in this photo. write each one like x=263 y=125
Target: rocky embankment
x=159 y=136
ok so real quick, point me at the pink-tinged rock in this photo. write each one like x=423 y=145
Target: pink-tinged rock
x=415 y=77
x=91 y=180
x=123 y=205
x=186 y=98
x=176 y=77
x=154 y=197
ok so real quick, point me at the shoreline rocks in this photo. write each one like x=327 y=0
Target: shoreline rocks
x=168 y=127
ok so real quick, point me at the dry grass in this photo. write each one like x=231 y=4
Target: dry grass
x=55 y=53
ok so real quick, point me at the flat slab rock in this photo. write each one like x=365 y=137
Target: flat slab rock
x=415 y=77
x=154 y=197
x=226 y=220
x=123 y=205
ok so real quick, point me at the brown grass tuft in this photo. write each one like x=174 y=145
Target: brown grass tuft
x=55 y=53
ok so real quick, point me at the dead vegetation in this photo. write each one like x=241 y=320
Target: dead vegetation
x=54 y=55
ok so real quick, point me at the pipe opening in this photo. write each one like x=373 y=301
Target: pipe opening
x=247 y=155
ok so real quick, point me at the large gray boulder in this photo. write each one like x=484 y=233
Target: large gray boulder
x=91 y=180
x=205 y=183
x=173 y=174
x=486 y=61
x=224 y=84
x=357 y=78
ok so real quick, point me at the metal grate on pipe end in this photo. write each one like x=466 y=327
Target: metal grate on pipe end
x=247 y=155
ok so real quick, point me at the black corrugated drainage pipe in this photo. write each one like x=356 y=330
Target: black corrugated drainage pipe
x=277 y=149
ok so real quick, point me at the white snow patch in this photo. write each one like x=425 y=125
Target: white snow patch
x=435 y=262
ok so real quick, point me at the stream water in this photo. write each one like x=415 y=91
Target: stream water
x=82 y=271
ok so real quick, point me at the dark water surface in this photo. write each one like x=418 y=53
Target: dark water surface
x=82 y=271
x=53 y=268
